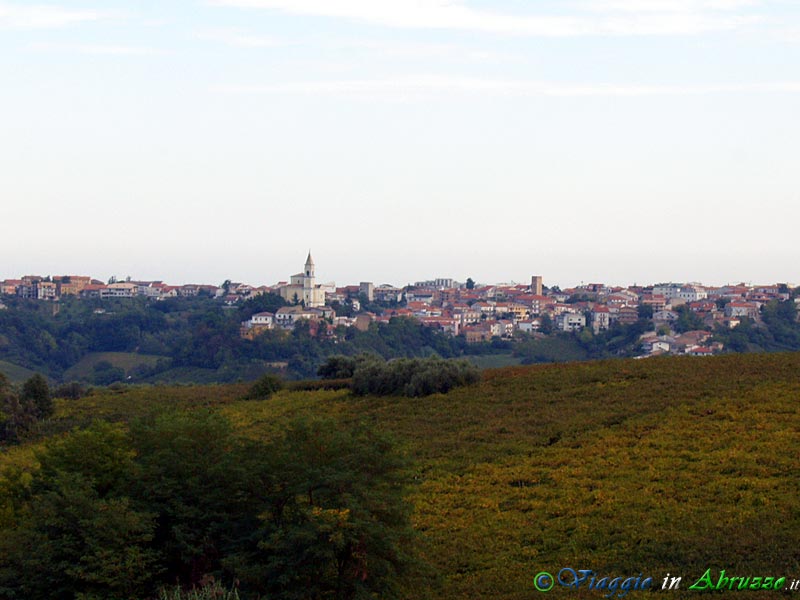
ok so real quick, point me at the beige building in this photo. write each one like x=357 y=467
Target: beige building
x=303 y=287
x=71 y=285
x=536 y=285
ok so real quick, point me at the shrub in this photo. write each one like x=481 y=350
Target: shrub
x=104 y=373
x=37 y=392
x=17 y=416
x=337 y=367
x=264 y=387
x=310 y=385
x=412 y=377
x=71 y=391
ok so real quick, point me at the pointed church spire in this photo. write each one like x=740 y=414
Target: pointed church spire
x=309 y=269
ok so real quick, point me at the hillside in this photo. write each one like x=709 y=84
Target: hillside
x=624 y=467
x=126 y=361
x=15 y=373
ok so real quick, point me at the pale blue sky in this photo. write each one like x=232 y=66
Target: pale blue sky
x=589 y=140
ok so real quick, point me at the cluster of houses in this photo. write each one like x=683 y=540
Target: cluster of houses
x=478 y=312
x=57 y=287
x=481 y=313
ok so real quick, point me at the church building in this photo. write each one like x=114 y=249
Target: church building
x=303 y=287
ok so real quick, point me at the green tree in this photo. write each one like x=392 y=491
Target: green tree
x=338 y=367
x=73 y=390
x=337 y=526
x=5 y=386
x=190 y=475
x=645 y=311
x=37 y=392
x=17 y=417
x=104 y=373
x=546 y=325
x=80 y=536
x=411 y=376
x=687 y=320
x=260 y=303
x=114 y=515
x=470 y=283
x=264 y=388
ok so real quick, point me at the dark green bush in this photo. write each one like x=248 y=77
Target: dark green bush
x=264 y=387
x=319 y=384
x=37 y=392
x=104 y=373
x=412 y=376
x=338 y=367
x=178 y=502
x=71 y=391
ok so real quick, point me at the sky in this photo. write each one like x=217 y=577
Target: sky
x=616 y=141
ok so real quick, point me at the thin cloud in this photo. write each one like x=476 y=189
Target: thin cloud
x=666 y=6
x=426 y=86
x=788 y=34
x=416 y=50
x=602 y=18
x=96 y=49
x=239 y=39
x=14 y=16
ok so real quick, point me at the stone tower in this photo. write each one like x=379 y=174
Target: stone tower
x=309 y=282
x=309 y=266
x=536 y=285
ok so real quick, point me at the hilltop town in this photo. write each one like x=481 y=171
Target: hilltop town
x=681 y=316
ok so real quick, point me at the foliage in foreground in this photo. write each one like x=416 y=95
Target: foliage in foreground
x=674 y=464
x=21 y=412
x=210 y=591
x=115 y=514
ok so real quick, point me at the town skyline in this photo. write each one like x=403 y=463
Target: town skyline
x=184 y=281
x=476 y=312
x=625 y=141
x=409 y=282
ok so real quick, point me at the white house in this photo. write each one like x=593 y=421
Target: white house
x=529 y=326
x=119 y=290
x=692 y=293
x=258 y=322
x=665 y=316
x=262 y=319
x=653 y=346
x=601 y=318
x=570 y=322
x=741 y=309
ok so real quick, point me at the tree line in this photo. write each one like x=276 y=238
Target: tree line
x=116 y=513
x=20 y=411
x=199 y=334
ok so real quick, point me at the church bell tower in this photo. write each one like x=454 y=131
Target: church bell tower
x=309 y=269
x=309 y=282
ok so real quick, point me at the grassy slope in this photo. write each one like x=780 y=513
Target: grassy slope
x=15 y=373
x=493 y=361
x=624 y=467
x=619 y=466
x=124 y=360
